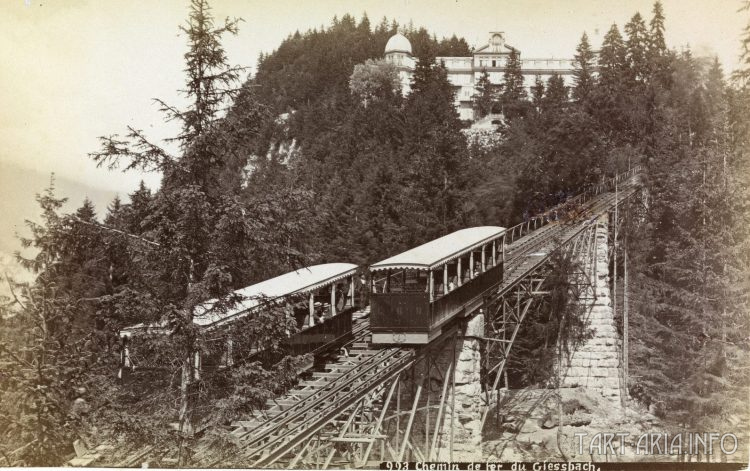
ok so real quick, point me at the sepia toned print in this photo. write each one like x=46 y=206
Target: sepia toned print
x=379 y=235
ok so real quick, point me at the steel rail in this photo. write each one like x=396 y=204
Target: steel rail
x=360 y=390
x=532 y=239
x=328 y=391
x=509 y=283
x=324 y=397
x=360 y=332
x=536 y=240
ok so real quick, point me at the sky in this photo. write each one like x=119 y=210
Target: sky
x=74 y=70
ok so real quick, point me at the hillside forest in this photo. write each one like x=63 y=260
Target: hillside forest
x=317 y=158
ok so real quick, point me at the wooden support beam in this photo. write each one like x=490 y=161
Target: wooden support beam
x=344 y=429
x=410 y=423
x=299 y=455
x=431 y=450
x=370 y=440
x=417 y=454
x=379 y=423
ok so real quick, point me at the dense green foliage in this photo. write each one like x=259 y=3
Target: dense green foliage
x=690 y=349
x=319 y=158
x=386 y=172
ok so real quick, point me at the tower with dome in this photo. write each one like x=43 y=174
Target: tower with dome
x=398 y=52
x=464 y=72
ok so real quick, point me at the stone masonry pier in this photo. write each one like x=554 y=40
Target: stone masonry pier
x=596 y=364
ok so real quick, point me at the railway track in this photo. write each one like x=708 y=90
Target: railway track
x=533 y=250
x=315 y=403
x=333 y=393
x=267 y=436
x=305 y=409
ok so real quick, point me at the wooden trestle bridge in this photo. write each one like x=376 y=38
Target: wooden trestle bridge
x=391 y=403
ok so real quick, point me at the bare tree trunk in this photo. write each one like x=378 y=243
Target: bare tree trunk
x=186 y=383
x=186 y=408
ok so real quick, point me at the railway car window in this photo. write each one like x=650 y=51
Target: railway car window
x=414 y=281
x=379 y=283
x=396 y=282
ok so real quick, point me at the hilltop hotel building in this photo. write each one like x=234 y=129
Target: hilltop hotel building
x=464 y=72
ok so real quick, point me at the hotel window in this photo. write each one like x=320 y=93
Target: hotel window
x=494 y=64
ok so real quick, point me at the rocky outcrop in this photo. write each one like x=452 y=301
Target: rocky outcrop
x=528 y=429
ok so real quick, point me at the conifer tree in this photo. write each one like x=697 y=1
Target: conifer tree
x=513 y=93
x=637 y=44
x=424 y=71
x=556 y=94
x=537 y=92
x=87 y=276
x=657 y=46
x=116 y=247
x=657 y=54
x=435 y=148
x=743 y=73
x=612 y=61
x=583 y=70
x=484 y=95
x=46 y=349
x=137 y=211
x=203 y=240
x=716 y=101
x=612 y=102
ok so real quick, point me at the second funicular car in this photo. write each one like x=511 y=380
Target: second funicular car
x=415 y=293
x=321 y=298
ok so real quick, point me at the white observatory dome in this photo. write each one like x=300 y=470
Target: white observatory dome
x=398 y=43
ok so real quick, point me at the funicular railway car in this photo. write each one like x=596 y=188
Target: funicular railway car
x=321 y=299
x=415 y=293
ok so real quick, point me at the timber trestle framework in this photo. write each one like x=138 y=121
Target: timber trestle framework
x=368 y=406
x=525 y=286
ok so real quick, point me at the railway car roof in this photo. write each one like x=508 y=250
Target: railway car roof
x=441 y=251
x=299 y=281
